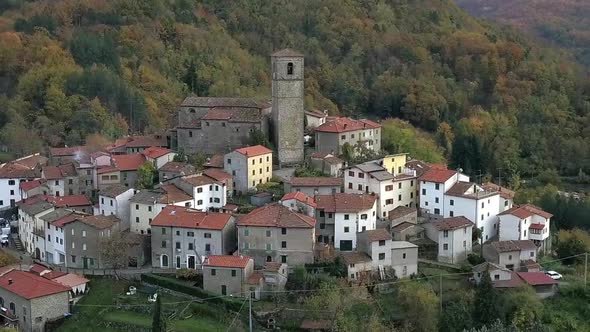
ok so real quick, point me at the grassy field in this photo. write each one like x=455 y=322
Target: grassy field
x=95 y=311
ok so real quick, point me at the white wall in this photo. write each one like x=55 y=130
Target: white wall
x=509 y=228
x=118 y=206
x=354 y=223
x=459 y=244
x=212 y=196
x=9 y=191
x=482 y=212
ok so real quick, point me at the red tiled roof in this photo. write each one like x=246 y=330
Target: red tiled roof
x=173 y=194
x=536 y=278
x=341 y=125
x=119 y=142
x=525 y=211
x=217 y=174
x=69 y=200
x=253 y=151
x=178 y=167
x=128 y=162
x=504 y=192
x=345 y=202
x=452 y=223
x=66 y=220
x=537 y=226
x=28 y=185
x=239 y=262
x=254 y=278
x=63 y=152
x=70 y=280
x=198 y=180
x=215 y=161
x=53 y=274
x=378 y=235
x=156 y=152
x=513 y=245
x=301 y=197
x=315 y=181
x=276 y=215
x=437 y=175
x=106 y=169
x=145 y=141
x=59 y=172
x=29 y=285
x=37 y=269
x=14 y=170
x=316 y=114
x=176 y=216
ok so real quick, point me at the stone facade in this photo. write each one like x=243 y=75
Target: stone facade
x=35 y=312
x=287 y=105
x=265 y=244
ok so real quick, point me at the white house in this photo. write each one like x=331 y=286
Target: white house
x=377 y=244
x=55 y=239
x=392 y=191
x=434 y=183
x=299 y=202
x=497 y=273
x=158 y=156
x=315 y=118
x=506 y=195
x=31 y=227
x=114 y=200
x=208 y=194
x=147 y=204
x=526 y=222
x=359 y=265
x=15 y=172
x=404 y=258
x=453 y=236
x=512 y=254
x=341 y=216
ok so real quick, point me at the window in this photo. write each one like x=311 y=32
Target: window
x=268 y=246
x=343 y=137
x=361 y=175
x=509 y=257
x=290 y=68
x=351 y=135
x=330 y=215
x=437 y=186
x=381 y=243
x=452 y=202
x=436 y=211
x=192 y=234
x=207 y=247
x=73 y=245
x=283 y=231
x=164 y=260
x=464 y=244
x=229 y=161
x=404 y=255
x=364 y=216
x=11 y=182
x=445 y=233
x=322 y=226
x=346 y=217
x=177 y=245
x=389 y=201
x=482 y=217
x=199 y=190
x=351 y=173
x=136 y=219
x=389 y=188
x=482 y=205
x=284 y=244
x=446 y=246
x=321 y=214
x=191 y=246
x=451 y=213
x=246 y=232
x=73 y=259
x=268 y=233
x=399 y=185
x=83 y=233
x=346 y=229
x=436 y=200
x=48 y=237
x=200 y=202
x=233 y=273
x=283 y=258
x=163 y=244
x=213 y=272
x=360 y=187
x=423 y=191
x=399 y=197
x=137 y=206
x=83 y=246
x=381 y=256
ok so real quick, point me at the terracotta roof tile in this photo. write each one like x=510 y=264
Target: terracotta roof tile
x=215 y=161
x=276 y=215
x=28 y=185
x=341 y=125
x=32 y=161
x=128 y=162
x=106 y=169
x=173 y=194
x=178 y=167
x=537 y=226
x=437 y=175
x=504 y=192
x=254 y=278
x=316 y=181
x=199 y=180
x=176 y=216
x=253 y=151
x=219 y=102
x=527 y=210
x=341 y=202
x=513 y=245
x=99 y=221
x=234 y=114
x=401 y=211
x=64 y=152
x=379 y=234
x=402 y=226
x=287 y=52
x=146 y=141
x=301 y=197
x=154 y=152
x=29 y=285
x=69 y=200
x=536 y=278
x=354 y=257
x=114 y=190
x=419 y=166
x=14 y=170
x=239 y=262
x=217 y=174
x=448 y=224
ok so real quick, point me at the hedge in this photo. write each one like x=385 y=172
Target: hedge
x=177 y=286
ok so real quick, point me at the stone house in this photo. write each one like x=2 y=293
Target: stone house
x=273 y=233
x=182 y=237
x=312 y=186
x=249 y=167
x=107 y=176
x=300 y=203
x=137 y=144
x=506 y=195
x=30 y=225
x=220 y=175
x=32 y=188
x=404 y=258
x=228 y=275
x=61 y=180
x=341 y=216
x=359 y=265
x=327 y=163
x=174 y=169
x=498 y=274
x=127 y=165
x=58 y=156
x=84 y=237
x=80 y=203
x=526 y=222
x=333 y=135
x=30 y=300
x=377 y=244
x=403 y=224
x=54 y=244
x=453 y=236
x=510 y=254
x=158 y=156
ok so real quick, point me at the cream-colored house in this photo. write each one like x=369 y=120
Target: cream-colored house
x=249 y=166
x=395 y=163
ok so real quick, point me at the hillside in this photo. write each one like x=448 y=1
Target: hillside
x=70 y=68
x=565 y=23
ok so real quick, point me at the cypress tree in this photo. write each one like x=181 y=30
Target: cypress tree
x=486 y=309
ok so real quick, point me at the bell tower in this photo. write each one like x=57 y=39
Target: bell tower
x=287 y=106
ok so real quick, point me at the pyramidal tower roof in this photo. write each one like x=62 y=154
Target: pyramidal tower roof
x=287 y=52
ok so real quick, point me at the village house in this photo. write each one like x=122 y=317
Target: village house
x=137 y=144
x=396 y=164
x=228 y=275
x=58 y=156
x=74 y=282
x=333 y=135
x=158 y=156
x=453 y=236
x=107 y=176
x=30 y=225
x=377 y=244
x=503 y=278
x=174 y=169
x=526 y=222
x=402 y=214
x=208 y=194
x=84 y=238
x=404 y=259
x=80 y=203
x=326 y=163
x=315 y=118
x=300 y=203
x=145 y=205
x=127 y=165
x=13 y=173
x=510 y=254
x=312 y=186
x=114 y=200
x=215 y=161
x=506 y=195
x=29 y=301
x=182 y=237
x=341 y=216
x=56 y=249
x=223 y=177
x=391 y=191
x=249 y=166
x=359 y=265
x=33 y=188
x=274 y=233
x=61 y=180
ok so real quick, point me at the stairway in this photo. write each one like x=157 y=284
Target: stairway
x=17 y=242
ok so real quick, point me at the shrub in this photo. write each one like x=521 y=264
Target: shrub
x=186 y=274
x=475 y=259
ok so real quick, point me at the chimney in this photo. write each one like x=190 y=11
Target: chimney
x=345 y=125
x=10 y=281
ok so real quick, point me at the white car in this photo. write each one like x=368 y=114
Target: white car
x=553 y=275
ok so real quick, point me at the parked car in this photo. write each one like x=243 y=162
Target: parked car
x=4 y=240
x=553 y=275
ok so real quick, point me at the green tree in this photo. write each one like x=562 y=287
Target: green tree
x=147 y=176
x=257 y=137
x=157 y=323
x=92 y=48
x=456 y=316
x=419 y=305
x=570 y=243
x=487 y=303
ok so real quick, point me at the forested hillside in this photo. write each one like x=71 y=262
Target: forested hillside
x=69 y=68
x=565 y=23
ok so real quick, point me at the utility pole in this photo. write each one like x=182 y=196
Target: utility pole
x=250 y=305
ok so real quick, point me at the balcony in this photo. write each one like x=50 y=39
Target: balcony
x=538 y=232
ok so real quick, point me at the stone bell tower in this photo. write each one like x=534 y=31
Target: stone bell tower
x=287 y=106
